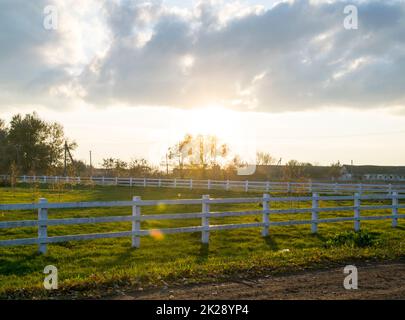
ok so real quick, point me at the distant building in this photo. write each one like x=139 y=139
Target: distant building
x=373 y=173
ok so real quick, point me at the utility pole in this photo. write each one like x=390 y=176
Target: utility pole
x=67 y=153
x=65 y=164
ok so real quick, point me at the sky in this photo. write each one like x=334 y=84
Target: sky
x=129 y=78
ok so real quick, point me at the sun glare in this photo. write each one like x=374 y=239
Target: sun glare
x=230 y=127
x=212 y=120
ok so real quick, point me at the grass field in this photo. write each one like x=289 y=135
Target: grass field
x=105 y=267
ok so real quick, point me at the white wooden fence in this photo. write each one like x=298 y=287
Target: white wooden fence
x=247 y=185
x=266 y=212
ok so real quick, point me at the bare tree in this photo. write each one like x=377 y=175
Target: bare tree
x=263 y=158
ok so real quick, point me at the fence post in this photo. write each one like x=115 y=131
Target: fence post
x=266 y=215
x=246 y=185
x=315 y=205
x=191 y=184
x=288 y=187
x=267 y=186
x=130 y=182
x=25 y=179
x=102 y=180
x=360 y=188
x=394 y=209
x=389 y=188
x=136 y=223
x=357 y=204
x=42 y=226
x=160 y=183
x=205 y=219
x=175 y=183
x=227 y=185
x=310 y=187
x=144 y=182
x=209 y=184
x=335 y=188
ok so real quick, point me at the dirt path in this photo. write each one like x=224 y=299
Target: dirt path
x=378 y=281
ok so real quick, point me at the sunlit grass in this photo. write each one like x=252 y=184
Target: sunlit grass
x=99 y=266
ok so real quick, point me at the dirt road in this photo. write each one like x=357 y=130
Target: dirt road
x=378 y=281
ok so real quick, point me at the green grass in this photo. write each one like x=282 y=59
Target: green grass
x=103 y=267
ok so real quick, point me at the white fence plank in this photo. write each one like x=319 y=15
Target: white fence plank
x=265 y=186
x=136 y=232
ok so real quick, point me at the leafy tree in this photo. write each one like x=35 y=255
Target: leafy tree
x=108 y=165
x=140 y=168
x=335 y=170
x=293 y=170
x=34 y=144
x=120 y=167
x=4 y=154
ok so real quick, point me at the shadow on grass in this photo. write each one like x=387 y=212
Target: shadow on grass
x=319 y=237
x=25 y=265
x=203 y=253
x=271 y=243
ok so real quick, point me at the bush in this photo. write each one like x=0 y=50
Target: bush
x=352 y=239
x=4 y=182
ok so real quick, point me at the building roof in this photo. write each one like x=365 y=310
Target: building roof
x=362 y=170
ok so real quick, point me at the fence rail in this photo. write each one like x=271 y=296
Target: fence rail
x=205 y=214
x=247 y=185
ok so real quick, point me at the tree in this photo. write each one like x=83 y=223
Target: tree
x=108 y=165
x=4 y=154
x=34 y=144
x=335 y=170
x=292 y=170
x=198 y=152
x=120 y=167
x=180 y=151
x=263 y=158
x=140 y=168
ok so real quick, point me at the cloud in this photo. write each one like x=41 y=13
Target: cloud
x=39 y=66
x=295 y=55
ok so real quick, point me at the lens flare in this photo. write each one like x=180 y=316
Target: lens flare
x=156 y=234
x=161 y=207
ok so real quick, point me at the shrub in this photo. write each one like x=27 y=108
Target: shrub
x=352 y=239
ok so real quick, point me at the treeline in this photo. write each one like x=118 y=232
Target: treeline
x=32 y=146
x=205 y=157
